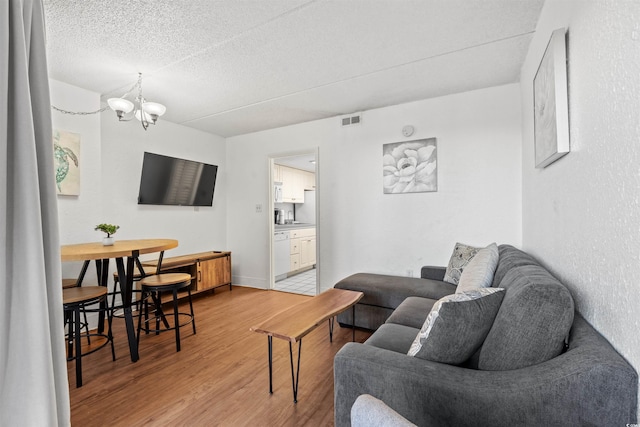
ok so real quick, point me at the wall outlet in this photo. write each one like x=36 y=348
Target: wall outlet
x=409 y=272
x=258 y=208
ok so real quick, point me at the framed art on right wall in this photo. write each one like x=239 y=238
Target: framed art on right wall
x=551 y=105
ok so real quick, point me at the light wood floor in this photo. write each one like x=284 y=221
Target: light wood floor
x=220 y=378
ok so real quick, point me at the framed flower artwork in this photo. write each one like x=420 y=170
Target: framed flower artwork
x=410 y=166
x=550 y=98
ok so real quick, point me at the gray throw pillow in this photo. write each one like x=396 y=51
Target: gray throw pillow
x=461 y=256
x=479 y=272
x=457 y=326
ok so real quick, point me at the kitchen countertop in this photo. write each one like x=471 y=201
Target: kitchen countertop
x=287 y=227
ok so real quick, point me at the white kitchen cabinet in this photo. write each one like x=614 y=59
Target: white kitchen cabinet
x=277 y=173
x=294 y=250
x=309 y=180
x=307 y=251
x=295 y=245
x=295 y=262
x=303 y=248
x=292 y=185
x=294 y=182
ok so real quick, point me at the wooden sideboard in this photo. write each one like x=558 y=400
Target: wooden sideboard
x=208 y=270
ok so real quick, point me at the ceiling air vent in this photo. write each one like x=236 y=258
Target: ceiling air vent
x=351 y=120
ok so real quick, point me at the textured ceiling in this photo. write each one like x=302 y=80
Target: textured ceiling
x=231 y=67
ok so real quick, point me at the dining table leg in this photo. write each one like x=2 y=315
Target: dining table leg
x=102 y=271
x=126 y=292
x=83 y=272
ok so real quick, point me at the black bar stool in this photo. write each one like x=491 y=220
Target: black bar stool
x=76 y=300
x=153 y=287
x=72 y=283
x=69 y=283
x=141 y=273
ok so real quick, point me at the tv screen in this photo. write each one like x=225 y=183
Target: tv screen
x=171 y=181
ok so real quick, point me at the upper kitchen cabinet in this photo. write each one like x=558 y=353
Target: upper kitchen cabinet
x=309 y=180
x=294 y=182
x=292 y=185
x=277 y=173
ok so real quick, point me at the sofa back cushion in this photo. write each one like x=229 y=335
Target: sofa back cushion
x=533 y=322
x=510 y=257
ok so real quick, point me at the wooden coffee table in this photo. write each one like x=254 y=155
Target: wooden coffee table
x=295 y=322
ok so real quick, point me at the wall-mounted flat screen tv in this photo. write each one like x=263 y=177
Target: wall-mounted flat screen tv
x=170 y=181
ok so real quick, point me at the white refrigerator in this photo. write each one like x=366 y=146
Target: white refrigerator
x=306 y=212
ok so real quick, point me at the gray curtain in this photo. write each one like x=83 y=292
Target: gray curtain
x=33 y=374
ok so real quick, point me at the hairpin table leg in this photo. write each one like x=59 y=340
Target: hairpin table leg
x=295 y=378
x=353 y=320
x=270 y=341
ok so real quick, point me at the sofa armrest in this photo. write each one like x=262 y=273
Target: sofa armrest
x=433 y=273
x=589 y=384
x=367 y=411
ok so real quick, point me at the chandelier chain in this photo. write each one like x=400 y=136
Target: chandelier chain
x=79 y=113
x=87 y=113
x=146 y=112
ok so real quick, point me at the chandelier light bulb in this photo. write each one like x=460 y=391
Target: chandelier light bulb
x=121 y=106
x=153 y=108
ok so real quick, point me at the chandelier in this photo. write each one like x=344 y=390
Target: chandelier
x=146 y=112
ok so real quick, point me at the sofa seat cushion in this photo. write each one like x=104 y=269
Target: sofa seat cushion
x=457 y=325
x=368 y=317
x=394 y=337
x=532 y=324
x=412 y=312
x=389 y=291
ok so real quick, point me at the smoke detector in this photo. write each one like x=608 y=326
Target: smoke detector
x=408 y=130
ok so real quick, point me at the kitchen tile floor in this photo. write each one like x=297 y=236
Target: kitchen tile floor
x=303 y=283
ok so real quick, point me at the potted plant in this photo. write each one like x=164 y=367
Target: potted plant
x=109 y=229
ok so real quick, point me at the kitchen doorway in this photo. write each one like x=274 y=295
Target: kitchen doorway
x=293 y=214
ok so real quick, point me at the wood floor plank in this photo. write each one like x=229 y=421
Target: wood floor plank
x=220 y=378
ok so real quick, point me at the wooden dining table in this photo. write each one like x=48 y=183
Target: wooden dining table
x=121 y=249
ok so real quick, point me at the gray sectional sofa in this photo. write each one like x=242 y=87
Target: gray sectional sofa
x=540 y=364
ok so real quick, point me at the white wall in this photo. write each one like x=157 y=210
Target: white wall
x=361 y=229
x=78 y=214
x=581 y=215
x=111 y=162
x=123 y=146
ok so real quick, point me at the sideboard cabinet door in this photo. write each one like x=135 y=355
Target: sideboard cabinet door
x=214 y=272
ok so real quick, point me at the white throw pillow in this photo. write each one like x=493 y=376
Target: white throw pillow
x=480 y=270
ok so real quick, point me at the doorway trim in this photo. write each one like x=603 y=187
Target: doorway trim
x=315 y=151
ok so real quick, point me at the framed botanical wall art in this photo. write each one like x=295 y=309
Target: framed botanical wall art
x=410 y=166
x=66 y=155
x=550 y=98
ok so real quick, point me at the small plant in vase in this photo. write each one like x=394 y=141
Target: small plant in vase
x=109 y=229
